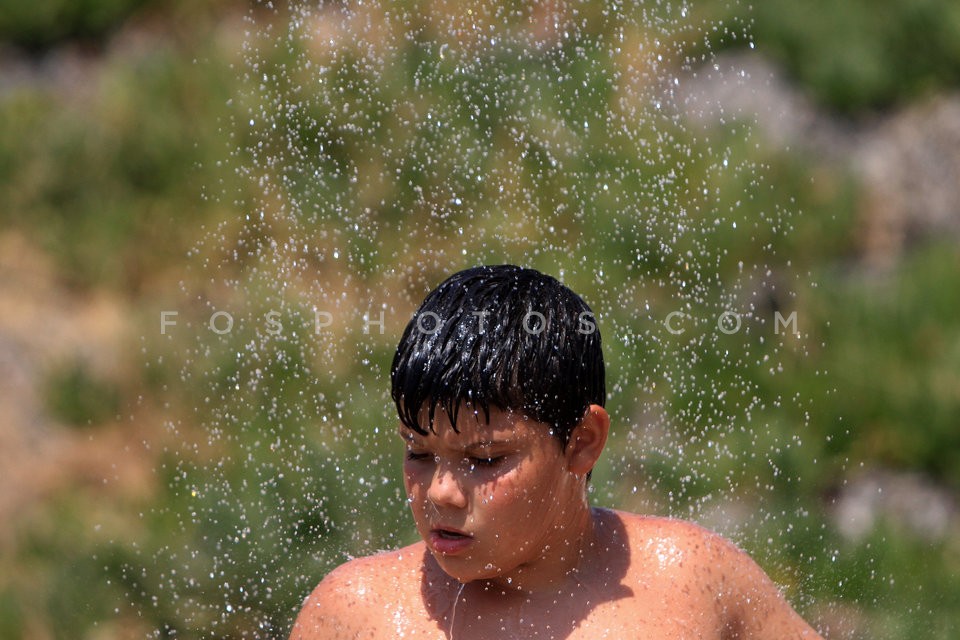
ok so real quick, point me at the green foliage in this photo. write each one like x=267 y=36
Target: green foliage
x=111 y=167
x=43 y=23
x=75 y=396
x=907 y=327
x=861 y=54
x=11 y=621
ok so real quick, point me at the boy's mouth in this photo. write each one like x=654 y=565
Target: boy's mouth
x=449 y=542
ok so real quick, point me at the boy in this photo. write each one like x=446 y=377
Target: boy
x=499 y=384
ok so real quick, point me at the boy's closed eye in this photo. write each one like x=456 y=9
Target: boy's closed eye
x=491 y=461
x=471 y=461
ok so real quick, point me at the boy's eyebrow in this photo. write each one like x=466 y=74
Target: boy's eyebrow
x=411 y=438
x=480 y=444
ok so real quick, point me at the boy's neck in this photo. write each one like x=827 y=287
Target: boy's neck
x=563 y=561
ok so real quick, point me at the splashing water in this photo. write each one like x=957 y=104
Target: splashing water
x=383 y=146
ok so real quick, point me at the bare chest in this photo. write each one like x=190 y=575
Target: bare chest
x=640 y=616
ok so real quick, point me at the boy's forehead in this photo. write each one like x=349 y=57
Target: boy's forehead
x=473 y=427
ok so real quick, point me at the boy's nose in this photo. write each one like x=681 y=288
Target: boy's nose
x=445 y=489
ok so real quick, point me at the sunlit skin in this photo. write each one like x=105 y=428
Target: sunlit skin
x=511 y=549
x=505 y=485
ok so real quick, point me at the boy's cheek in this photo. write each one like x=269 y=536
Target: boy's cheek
x=507 y=487
x=410 y=484
x=414 y=490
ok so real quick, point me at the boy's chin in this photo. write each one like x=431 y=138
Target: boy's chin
x=465 y=570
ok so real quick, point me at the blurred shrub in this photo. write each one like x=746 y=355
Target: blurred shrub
x=76 y=397
x=893 y=352
x=39 y=24
x=110 y=166
x=11 y=620
x=860 y=54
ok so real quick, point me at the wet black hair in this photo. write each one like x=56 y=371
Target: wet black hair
x=500 y=336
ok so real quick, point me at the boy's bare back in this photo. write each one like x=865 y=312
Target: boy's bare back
x=648 y=578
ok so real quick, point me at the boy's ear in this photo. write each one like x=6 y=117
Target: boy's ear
x=587 y=440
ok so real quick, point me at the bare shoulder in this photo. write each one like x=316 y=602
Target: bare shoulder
x=349 y=599
x=713 y=569
x=675 y=543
